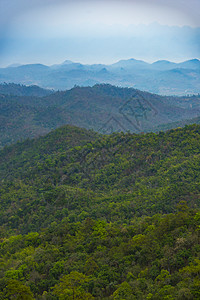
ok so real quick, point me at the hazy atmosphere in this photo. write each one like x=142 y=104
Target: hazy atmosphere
x=99 y=149
x=95 y=31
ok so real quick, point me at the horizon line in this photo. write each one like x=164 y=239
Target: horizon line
x=16 y=65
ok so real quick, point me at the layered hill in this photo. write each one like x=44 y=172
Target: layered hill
x=161 y=77
x=103 y=108
x=85 y=216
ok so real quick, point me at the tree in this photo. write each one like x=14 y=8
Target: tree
x=18 y=291
x=71 y=287
x=124 y=292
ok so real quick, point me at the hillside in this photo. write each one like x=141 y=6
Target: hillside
x=22 y=90
x=62 y=139
x=103 y=108
x=156 y=164
x=85 y=216
x=178 y=124
x=161 y=77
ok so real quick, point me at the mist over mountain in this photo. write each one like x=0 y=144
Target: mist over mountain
x=101 y=42
x=161 y=77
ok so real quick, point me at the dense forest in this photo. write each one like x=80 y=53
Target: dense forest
x=90 y=216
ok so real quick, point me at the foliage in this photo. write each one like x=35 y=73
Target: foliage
x=85 y=216
x=71 y=287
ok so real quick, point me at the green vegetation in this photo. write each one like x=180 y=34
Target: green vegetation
x=89 y=216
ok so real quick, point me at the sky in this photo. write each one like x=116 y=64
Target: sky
x=98 y=31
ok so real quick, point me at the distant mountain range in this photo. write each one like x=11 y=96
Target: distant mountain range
x=162 y=77
x=103 y=108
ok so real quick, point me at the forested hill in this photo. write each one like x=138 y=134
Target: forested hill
x=61 y=139
x=103 y=108
x=23 y=90
x=150 y=173
x=89 y=216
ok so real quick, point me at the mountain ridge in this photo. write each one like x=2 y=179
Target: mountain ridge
x=23 y=90
x=152 y=77
x=103 y=107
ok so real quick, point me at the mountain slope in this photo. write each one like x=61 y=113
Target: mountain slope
x=145 y=173
x=104 y=108
x=22 y=90
x=85 y=216
x=62 y=139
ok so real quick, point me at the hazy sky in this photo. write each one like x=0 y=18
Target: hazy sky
x=94 y=31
